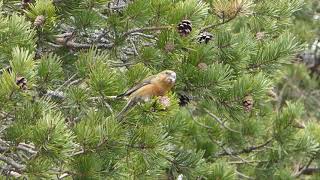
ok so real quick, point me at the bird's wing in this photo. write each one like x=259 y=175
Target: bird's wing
x=145 y=82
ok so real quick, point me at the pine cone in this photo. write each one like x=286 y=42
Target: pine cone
x=248 y=103
x=184 y=99
x=22 y=82
x=62 y=39
x=205 y=37
x=169 y=47
x=39 y=21
x=165 y=101
x=203 y=66
x=184 y=28
x=260 y=35
x=299 y=125
x=25 y=3
x=271 y=93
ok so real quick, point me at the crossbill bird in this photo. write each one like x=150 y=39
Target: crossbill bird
x=152 y=86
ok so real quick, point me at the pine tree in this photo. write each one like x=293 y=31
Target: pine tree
x=62 y=62
x=305 y=65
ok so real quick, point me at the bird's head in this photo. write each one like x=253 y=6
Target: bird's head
x=168 y=76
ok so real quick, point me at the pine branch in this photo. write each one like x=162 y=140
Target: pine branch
x=134 y=47
x=310 y=171
x=101 y=15
x=28 y=150
x=9 y=161
x=197 y=122
x=104 y=101
x=74 y=45
x=246 y=150
x=23 y=147
x=66 y=82
x=243 y=175
x=55 y=94
x=65 y=175
x=250 y=161
x=219 y=121
x=66 y=40
x=145 y=29
x=212 y=26
x=228 y=152
x=117 y=7
x=143 y=35
x=122 y=64
x=14 y=174
x=298 y=174
x=59 y=94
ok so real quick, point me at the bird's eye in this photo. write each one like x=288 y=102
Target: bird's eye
x=167 y=73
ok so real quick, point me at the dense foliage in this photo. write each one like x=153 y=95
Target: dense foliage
x=236 y=111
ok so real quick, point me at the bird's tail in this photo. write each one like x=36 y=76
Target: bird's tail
x=126 y=108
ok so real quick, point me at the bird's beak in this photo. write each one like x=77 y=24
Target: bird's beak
x=173 y=77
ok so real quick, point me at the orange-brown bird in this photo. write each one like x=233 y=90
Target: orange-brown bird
x=156 y=85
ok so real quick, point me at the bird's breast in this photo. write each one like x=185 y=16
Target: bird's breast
x=149 y=91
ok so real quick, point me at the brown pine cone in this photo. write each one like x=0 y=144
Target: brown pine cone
x=248 y=103
x=203 y=66
x=205 y=37
x=39 y=21
x=184 y=27
x=21 y=82
x=25 y=3
x=169 y=47
x=184 y=99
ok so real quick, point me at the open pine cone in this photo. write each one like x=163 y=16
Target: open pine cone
x=248 y=103
x=184 y=99
x=205 y=37
x=184 y=27
x=25 y=3
x=22 y=82
x=39 y=21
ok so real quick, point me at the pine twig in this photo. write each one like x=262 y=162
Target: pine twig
x=298 y=174
x=221 y=23
x=134 y=47
x=101 y=15
x=143 y=35
x=219 y=121
x=243 y=175
x=108 y=106
x=122 y=64
x=106 y=97
x=104 y=101
x=64 y=175
x=249 y=161
x=9 y=161
x=21 y=146
x=14 y=174
x=230 y=153
x=197 y=122
x=74 y=45
x=145 y=29
x=117 y=7
x=310 y=171
x=252 y=148
x=28 y=150
x=71 y=44
x=66 y=82
x=247 y=150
